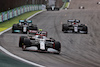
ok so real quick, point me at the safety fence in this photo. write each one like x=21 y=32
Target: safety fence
x=18 y=11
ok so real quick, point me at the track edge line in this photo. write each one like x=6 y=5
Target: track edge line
x=19 y=58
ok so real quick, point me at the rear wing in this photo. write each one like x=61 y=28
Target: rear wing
x=28 y=21
x=74 y=21
x=21 y=21
x=43 y=33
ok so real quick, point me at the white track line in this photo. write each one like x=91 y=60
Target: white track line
x=5 y=30
x=7 y=52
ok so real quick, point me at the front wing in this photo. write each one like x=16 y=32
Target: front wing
x=35 y=49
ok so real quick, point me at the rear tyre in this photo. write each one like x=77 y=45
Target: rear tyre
x=21 y=41
x=57 y=9
x=49 y=9
x=81 y=7
x=98 y=3
x=24 y=32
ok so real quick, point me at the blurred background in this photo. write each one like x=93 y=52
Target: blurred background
x=10 y=4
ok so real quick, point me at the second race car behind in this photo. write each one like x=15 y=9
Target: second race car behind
x=74 y=26
x=23 y=26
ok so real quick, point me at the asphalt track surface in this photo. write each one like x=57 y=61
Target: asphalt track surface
x=78 y=50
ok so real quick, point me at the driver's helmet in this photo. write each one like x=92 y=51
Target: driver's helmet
x=25 y=23
x=40 y=31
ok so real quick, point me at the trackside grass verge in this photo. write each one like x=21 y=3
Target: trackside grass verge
x=9 y=23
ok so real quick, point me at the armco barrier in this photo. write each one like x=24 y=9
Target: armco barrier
x=18 y=11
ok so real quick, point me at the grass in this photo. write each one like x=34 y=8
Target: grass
x=9 y=23
x=66 y=5
x=2 y=29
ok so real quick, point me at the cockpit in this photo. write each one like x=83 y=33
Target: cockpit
x=39 y=37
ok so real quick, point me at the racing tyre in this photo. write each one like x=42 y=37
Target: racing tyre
x=21 y=41
x=85 y=29
x=14 y=27
x=64 y=28
x=27 y=42
x=57 y=46
x=57 y=9
x=81 y=7
x=98 y=3
x=49 y=9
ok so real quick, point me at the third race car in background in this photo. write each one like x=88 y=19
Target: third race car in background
x=81 y=7
x=52 y=8
x=52 y=5
x=39 y=42
x=23 y=26
x=75 y=27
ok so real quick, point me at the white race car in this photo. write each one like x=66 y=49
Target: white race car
x=81 y=7
x=52 y=8
x=40 y=43
x=74 y=26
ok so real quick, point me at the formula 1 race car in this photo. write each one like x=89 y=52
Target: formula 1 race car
x=23 y=26
x=39 y=43
x=74 y=26
x=81 y=7
x=52 y=8
x=98 y=3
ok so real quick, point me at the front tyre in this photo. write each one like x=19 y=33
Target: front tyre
x=21 y=41
x=27 y=42
x=64 y=27
x=58 y=46
x=85 y=29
